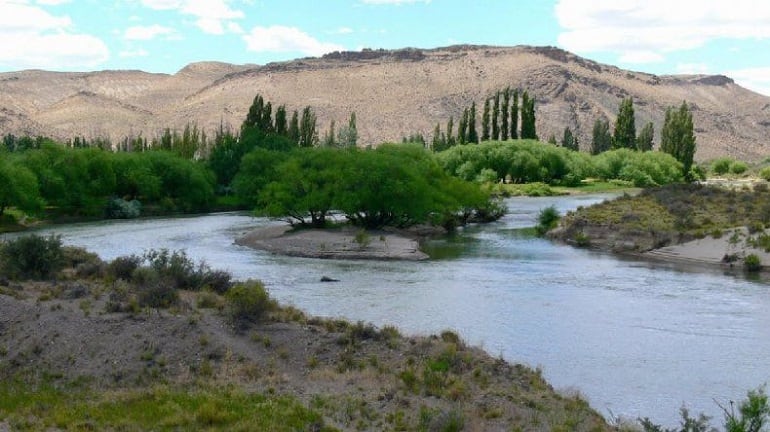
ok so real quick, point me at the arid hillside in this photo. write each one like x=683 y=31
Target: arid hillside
x=393 y=93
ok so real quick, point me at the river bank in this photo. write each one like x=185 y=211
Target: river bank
x=339 y=243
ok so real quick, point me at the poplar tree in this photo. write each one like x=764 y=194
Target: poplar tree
x=515 y=115
x=646 y=135
x=436 y=141
x=495 y=116
x=281 y=125
x=568 y=140
x=294 y=128
x=308 y=135
x=625 y=128
x=473 y=135
x=254 y=116
x=450 y=139
x=485 y=121
x=462 y=130
x=601 y=138
x=504 y=112
x=528 y=130
x=677 y=137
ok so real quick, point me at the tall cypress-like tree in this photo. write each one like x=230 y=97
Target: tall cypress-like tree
x=473 y=135
x=436 y=141
x=462 y=129
x=308 y=135
x=281 y=122
x=528 y=130
x=504 y=116
x=677 y=137
x=515 y=114
x=601 y=138
x=568 y=140
x=495 y=117
x=625 y=126
x=266 y=122
x=646 y=135
x=450 y=138
x=485 y=121
x=348 y=136
x=329 y=138
x=254 y=116
x=294 y=128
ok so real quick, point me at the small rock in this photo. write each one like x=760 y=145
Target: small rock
x=328 y=279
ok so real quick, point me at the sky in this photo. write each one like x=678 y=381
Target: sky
x=655 y=36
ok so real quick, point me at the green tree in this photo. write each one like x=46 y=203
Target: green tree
x=504 y=114
x=294 y=128
x=308 y=136
x=515 y=115
x=625 y=127
x=601 y=139
x=462 y=129
x=495 y=117
x=20 y=189
x=450 y=139
x=329 y=138
x=485 y=121
x=348 y=136
x=646 y=135
x=257 y=169
x=281 y=121
x=528 y=130
x=256 y=113
x=678 y=138
x=437 y=143
x=569 y=141
x=473 y=135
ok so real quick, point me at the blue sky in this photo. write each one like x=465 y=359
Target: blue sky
x=656 y=36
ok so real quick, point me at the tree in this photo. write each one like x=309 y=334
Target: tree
x=450 y=139
x=329 y=138
x=569 y=141
x=625 y=127
x=504 y=112
x=677 y=137
x=348 y=136
x=473 y=136
x=19 y=188
x=495 y=116
x=602 y=140
x=462 y=129
x=308 y=136
x=485 y=121
x=644 y=140
x=515 y=115
x=294 y=128
x=255 y=115
x=436 y=144
x=281 y=122
x=528 y=117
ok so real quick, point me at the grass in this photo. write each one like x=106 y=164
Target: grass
x=160 y=408
x=587 y=186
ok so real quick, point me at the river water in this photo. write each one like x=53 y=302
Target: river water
x=635 y=338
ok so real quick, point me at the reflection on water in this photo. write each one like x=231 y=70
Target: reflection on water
x=637 y=338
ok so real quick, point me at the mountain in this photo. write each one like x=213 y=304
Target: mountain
x=393 y=93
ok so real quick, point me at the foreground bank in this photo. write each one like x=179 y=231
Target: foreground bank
x=106 y=348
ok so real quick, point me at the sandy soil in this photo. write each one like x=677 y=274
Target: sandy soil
x=711 y=251
x=338 y=243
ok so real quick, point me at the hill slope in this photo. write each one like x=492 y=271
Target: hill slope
x=394 y=93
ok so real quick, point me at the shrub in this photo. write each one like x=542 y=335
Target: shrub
x=118 y=208
x=765 y=173
x=157 y=293
x=123 y=267
x=248 y=302
x=218 y=281
x=738 y=167
x=752 y=263
x=176 y=267
x=547 y=220
x=721 y=166
x=31 y=257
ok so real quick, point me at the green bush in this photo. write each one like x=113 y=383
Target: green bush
x=547 y=220
x=752 y=263
x=721 y=166
x=123 y=267
x=765 y=173
x=31 y=257
x=248 y=302
x=739 y=167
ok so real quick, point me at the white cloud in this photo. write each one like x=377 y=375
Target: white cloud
x=342 y=31
x=133 y=53
x=286 y=39
x=213 y=16
x=52 y=2
x=756 y=79
x=147 y=32
x=393 y=2
x=692 y=68
x=33 y=38
x=657 y=26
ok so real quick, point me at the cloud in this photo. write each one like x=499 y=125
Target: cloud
x=756 y=79
x=393 y=2
x=147 y=32
x=630 y=27
x=133 y=53
x=286 y=39
x=341 y=31
x=52 y=2
x=212 y=16
x=692 y=68
x=30 y=37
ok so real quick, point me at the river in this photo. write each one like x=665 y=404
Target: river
x=635 y=338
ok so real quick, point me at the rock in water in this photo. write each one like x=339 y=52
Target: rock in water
x=328 y=279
